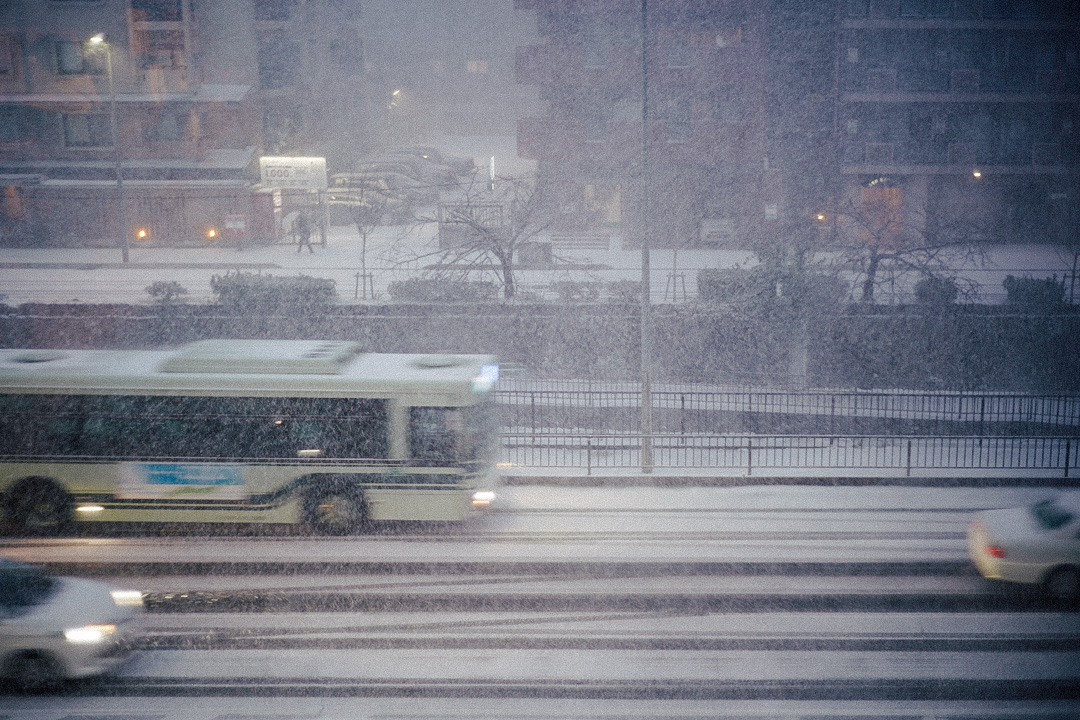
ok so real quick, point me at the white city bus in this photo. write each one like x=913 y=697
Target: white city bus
x=243 y=431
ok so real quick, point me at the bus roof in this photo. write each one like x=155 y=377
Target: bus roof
x=251 y=367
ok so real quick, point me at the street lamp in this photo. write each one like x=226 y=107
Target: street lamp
x=99 y=39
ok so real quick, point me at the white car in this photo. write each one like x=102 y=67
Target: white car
x=53 y=629
x=1038 y=544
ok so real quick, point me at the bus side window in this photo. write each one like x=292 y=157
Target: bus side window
x=433 y=432
x=18 y=420
x=59 y=425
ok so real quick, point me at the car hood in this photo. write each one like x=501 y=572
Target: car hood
x=76 y=602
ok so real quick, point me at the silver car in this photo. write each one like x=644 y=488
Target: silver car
x=53 y=629
x=1038 y=544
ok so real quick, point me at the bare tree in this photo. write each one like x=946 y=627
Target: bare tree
x=483 y=222
x=367 y=201
x=880 y=240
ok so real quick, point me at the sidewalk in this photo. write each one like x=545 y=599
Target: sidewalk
x=96 y=275
x=735 y=477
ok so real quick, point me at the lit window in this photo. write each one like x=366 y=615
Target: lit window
x=478 y=67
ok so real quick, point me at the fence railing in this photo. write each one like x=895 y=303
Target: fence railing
x=1059 y=410
x=764 y=453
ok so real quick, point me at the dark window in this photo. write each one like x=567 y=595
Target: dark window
x=433 y=432
x=676 y=112
x=728 y=104
x=195 y=427
x=925 y=8
x=73 y=58
x=167 y=127
x=162 y=48
x=278 y=58
x=1051 y=515
x=595 y=47
x=157 y=10
x=678 y=51
x=884 y=9
x=8 y=57
x=22 y=587
x=596 y=116
x=274 y=10
x=449 y=434
x=857 y=8
x=16 y=122
x=87 y=130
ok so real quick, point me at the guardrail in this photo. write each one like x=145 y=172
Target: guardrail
x=1059 y=410
x=765 y=453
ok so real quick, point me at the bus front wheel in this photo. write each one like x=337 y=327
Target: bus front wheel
x=334 y=508
x=38 y=506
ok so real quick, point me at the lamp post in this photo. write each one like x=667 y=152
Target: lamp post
x=99 y=39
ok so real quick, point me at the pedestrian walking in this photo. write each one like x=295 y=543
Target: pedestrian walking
x=302 y=226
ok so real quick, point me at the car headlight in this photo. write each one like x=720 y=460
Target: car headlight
x=482 y=498
x=89 y=634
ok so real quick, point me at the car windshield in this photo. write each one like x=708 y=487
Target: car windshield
x=1050 y=515
x=22 y=586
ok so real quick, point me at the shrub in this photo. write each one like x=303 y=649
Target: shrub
x=577 y=290
x=165 y=292
x=440 y=290
x=758 y=288
x=266 y=293
x=625 y=291
x=1029 y=291
x=722 y=285
x=936 y=291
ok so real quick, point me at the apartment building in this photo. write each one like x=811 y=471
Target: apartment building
x=921 y=120
x=701 y=175
x=957 y=120
x=144 y=88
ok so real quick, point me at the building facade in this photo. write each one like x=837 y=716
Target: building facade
x=92 y=89
x=956 y=121
x=701 y=175
x=914 y=121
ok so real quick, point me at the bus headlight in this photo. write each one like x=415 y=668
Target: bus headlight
x=482 y=498
x=489 y=375
x=127 y=598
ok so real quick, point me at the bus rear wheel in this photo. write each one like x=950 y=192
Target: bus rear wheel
x=38 y=506
x=334 y=508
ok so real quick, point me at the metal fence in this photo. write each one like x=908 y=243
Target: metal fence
x=764 y=453
x=533 y=398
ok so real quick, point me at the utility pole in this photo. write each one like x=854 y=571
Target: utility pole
x=645 y=341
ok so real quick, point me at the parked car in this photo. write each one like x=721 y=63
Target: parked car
x=1038 y=544
x=53 y=629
